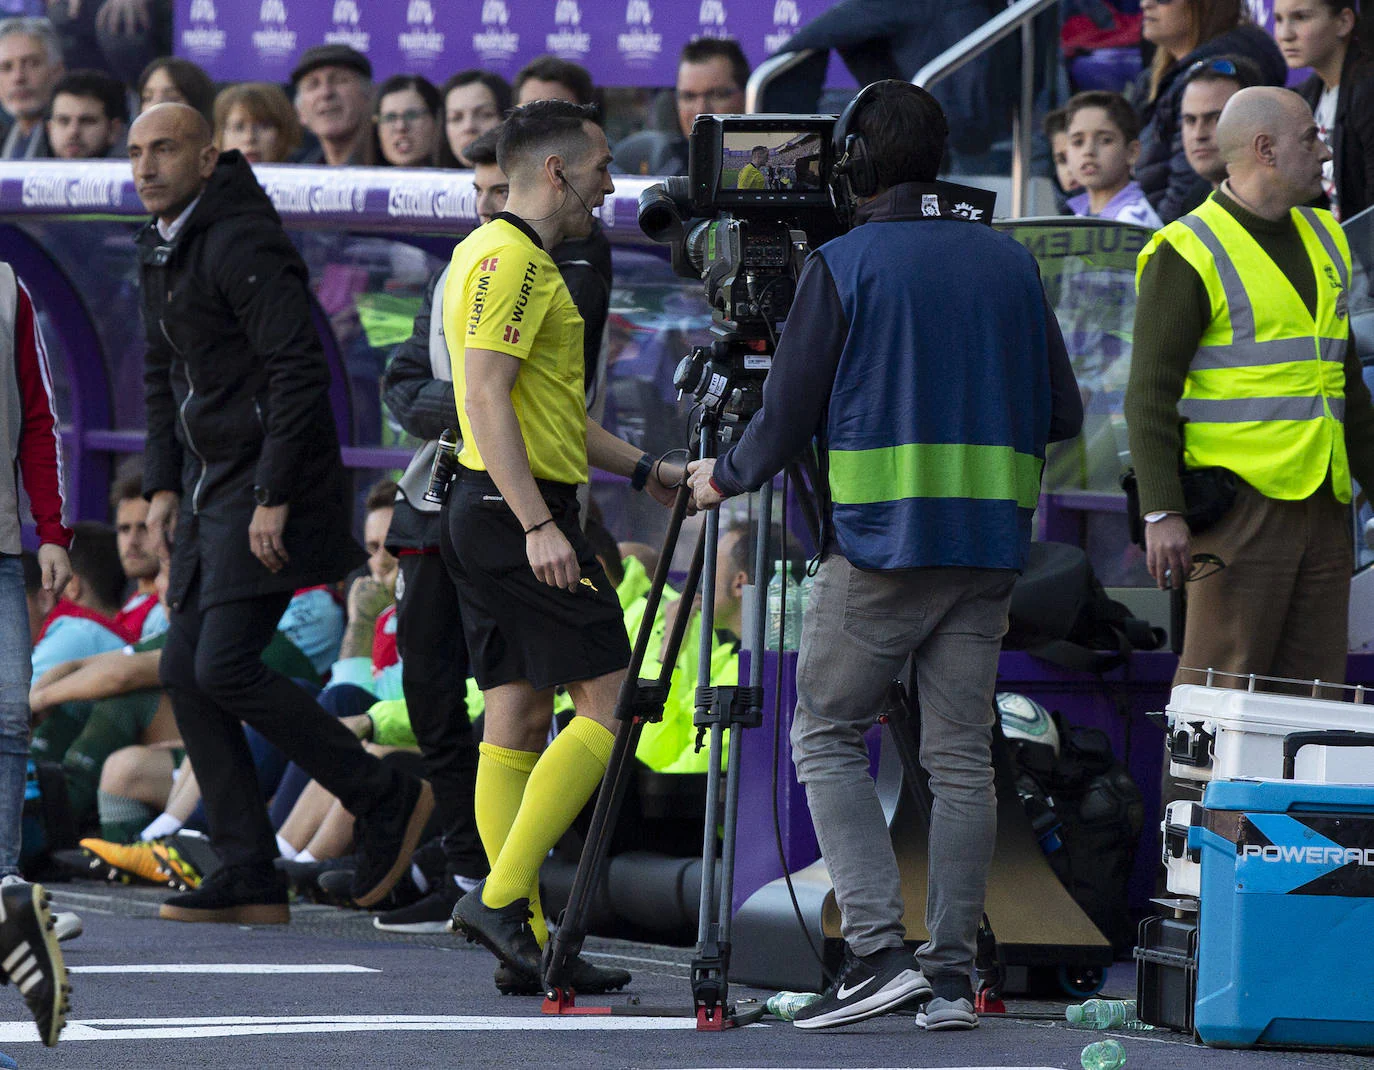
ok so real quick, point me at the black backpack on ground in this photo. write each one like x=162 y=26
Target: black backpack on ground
x=1060 y=612
x=1101 y=813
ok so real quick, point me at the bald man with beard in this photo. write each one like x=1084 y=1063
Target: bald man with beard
x=1236 y=299
x=242 y=467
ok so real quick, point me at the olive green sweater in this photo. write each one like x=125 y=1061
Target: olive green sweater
x=1172 y=312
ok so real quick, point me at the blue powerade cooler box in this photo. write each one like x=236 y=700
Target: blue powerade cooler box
x=1286 y=917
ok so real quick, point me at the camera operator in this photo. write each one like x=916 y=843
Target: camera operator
x=922 y=356
x=538 y=610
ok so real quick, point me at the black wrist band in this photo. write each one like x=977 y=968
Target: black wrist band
x=536 y=527
x=641 y=473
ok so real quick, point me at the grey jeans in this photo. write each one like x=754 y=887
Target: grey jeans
x=860 y=628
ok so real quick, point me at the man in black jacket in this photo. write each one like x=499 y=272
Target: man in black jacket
x=243 y=460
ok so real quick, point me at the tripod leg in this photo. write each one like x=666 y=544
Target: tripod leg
x=634 y=705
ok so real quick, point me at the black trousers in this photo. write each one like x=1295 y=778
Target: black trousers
x=212 y=668
x=434 y=671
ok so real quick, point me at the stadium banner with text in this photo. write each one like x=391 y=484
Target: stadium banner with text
x=622 y=42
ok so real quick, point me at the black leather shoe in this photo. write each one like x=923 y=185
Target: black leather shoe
x=387 y=837
x=242 y=894
x=504 y=931
x=30 y=957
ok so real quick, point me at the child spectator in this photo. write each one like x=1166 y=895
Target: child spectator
x=1104 y=143
x=258 y=120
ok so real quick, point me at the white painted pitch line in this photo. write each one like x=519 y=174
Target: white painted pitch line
x=226 y=967
x=118 y=1029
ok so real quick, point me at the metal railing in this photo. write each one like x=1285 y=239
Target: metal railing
x=1017 y=16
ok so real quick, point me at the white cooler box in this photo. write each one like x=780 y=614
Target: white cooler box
x=1222 y=733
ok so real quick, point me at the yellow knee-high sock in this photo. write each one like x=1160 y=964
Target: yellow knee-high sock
x=501 y=777
x=562 y=781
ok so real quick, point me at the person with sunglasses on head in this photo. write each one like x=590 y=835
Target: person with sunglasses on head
x=1327 y=35
x=1207 y=86
x=1236 y=299
x=1182 y=33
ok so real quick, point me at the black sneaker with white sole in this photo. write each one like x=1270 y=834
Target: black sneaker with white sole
x=30 y=957
x=428 y=915
x=950 y=1006
x=865 y=988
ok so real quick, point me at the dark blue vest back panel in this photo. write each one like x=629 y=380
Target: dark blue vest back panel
x=947 y=344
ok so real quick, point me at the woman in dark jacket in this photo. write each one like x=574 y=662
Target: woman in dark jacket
x=1325 y=35
x=1184 y=32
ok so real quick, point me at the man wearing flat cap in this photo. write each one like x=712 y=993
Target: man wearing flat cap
x=332 y=85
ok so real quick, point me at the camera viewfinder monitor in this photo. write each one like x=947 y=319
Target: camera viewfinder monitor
x=746 y=161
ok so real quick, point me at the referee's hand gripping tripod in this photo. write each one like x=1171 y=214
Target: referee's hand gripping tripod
x=728 y=389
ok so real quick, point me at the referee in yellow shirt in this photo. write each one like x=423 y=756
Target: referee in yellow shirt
x=538 y=610
x=751 y=175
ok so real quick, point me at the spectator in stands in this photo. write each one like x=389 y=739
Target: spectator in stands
x=711 y=75
x=265 y=514
x=142 y=613
x=332 y=85
x=118 y=36
x=30 y=66
x=1325 y=35
x=172 y=80
x=551 y=78
x=489 y=182
x=474 y=102
x=90 y=114
x=405 y=123
x=1057 y=134
x=1104 y=143
x=1183 y=32
x=257 y=119
x=1209 y=84
x=83 y=621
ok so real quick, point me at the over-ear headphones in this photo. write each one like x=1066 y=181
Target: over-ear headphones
x=854 y=174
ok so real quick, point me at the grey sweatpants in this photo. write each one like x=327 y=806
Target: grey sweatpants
x=860 y=628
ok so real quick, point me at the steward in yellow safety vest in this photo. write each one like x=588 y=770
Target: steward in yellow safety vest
x=1245 y=376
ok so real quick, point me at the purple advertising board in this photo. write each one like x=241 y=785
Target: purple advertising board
x=622 y=42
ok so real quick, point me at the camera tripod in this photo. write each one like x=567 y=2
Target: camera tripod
x=726 y=381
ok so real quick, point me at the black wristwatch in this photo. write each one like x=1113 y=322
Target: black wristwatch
x=268 y=498
x=641 y=472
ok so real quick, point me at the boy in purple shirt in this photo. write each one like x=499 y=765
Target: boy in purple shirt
x=1104 y=142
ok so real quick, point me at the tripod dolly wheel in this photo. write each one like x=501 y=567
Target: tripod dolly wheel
x=1081 y=981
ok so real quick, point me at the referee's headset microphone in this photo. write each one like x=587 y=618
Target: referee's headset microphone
x=569 y=186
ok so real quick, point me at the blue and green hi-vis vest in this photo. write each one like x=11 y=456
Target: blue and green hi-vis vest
x=935 y=436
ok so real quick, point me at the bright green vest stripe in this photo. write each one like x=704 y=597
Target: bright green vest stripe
x=934 y=470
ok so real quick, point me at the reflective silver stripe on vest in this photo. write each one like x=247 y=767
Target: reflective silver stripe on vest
x=1237 y=300
x=1243 y=410
x=1328 y=243
x=1273 y=351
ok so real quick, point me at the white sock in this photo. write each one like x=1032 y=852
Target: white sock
x=285 y=849
x=305 y=856
x=163 y=825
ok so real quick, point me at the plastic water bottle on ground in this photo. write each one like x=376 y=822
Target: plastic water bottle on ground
x=1104 y=1055
x=791 y=630
x=785 y=1005
x=1102 y=1014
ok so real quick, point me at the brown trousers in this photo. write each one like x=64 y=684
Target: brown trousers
x=1279 y=607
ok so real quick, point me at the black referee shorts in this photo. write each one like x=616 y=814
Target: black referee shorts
x=517 y=627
